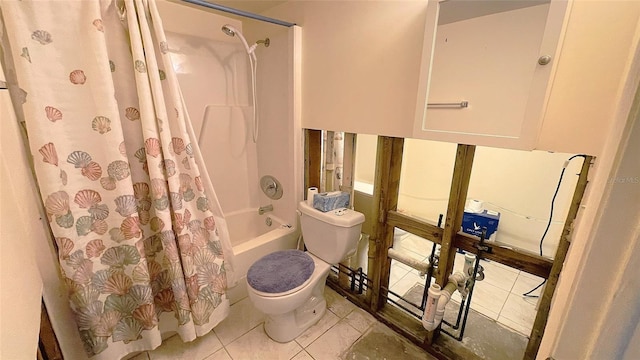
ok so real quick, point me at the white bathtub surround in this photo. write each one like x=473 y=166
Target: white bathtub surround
x=215 y=80
x=230 y=155
x=214 y=74
x=219 y=218
x=251 y=239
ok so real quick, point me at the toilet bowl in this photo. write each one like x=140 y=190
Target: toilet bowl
x=288 y=285
x=291 y=312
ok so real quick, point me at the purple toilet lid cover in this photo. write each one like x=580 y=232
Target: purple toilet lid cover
x=280 y=271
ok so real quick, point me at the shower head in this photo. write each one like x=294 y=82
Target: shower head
x=231 y=31
x=227 y=29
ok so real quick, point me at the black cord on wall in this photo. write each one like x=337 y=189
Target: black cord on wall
x=553 y=200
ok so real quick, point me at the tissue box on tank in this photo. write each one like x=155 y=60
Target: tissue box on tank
x=330 y=201
x=472 y=223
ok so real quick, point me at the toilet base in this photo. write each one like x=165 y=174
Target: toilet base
x=286 y=327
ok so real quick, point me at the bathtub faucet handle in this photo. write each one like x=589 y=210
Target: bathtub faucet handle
x=271 y=189
x=264 y=209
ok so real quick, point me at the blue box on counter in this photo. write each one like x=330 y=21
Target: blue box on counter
x=331 y=201
x=472 y=223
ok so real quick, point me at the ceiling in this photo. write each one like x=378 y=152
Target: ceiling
x=457 y=10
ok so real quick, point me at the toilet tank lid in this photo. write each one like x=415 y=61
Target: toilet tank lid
x=340 y=217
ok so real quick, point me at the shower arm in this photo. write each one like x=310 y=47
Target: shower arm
x=266 y=42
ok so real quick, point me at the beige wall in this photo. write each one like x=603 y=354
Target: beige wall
x=584 y=112
x=361 y=69
x=394 y=56
x=20 y=230
x=584 y=253
x=618 y=253
x=362 y=61
x=518 y=184
x=590 y=75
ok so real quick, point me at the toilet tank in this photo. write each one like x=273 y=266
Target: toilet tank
x=333 y=235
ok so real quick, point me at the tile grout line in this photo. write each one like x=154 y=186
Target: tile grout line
x=334 y=325
x=225 y=351
x=235 y=339
x=220 y=341
x=509 y=294
x=324 y=332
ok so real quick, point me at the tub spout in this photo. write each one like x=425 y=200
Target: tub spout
x=264 y=209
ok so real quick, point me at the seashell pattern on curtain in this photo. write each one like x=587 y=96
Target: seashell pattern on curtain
x=139 y=241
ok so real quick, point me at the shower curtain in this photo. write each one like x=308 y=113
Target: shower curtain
x=142 y=243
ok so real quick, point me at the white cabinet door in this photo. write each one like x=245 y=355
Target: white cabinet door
x=486 y=71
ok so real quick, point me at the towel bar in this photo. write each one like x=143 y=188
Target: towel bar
x=462 y=104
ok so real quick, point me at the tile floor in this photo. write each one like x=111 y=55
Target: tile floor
x=498 y=296
x=241 y=336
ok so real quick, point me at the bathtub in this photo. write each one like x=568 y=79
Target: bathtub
x=252 y=238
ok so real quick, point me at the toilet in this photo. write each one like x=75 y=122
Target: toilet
x=288 y=285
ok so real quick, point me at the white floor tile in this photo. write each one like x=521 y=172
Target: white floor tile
x=311 y=334
x=256 y=345
x=334 y=342
x=519 y=310
x=489 y=297
x=406 y=282
x=302 y=355
x=525 y=282
x=398 y=270
x=499 y=276
x=174 y=349
x=337 y=304
x=243 y=317
x=474 y=305
x=360 y=320
x=484 y=311
x=531 y=300
x=219 y=355
x=520 y=328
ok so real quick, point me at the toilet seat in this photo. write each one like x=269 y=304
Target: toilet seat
x=280 y=273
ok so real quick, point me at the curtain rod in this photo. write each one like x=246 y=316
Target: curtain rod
x=239 y=12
